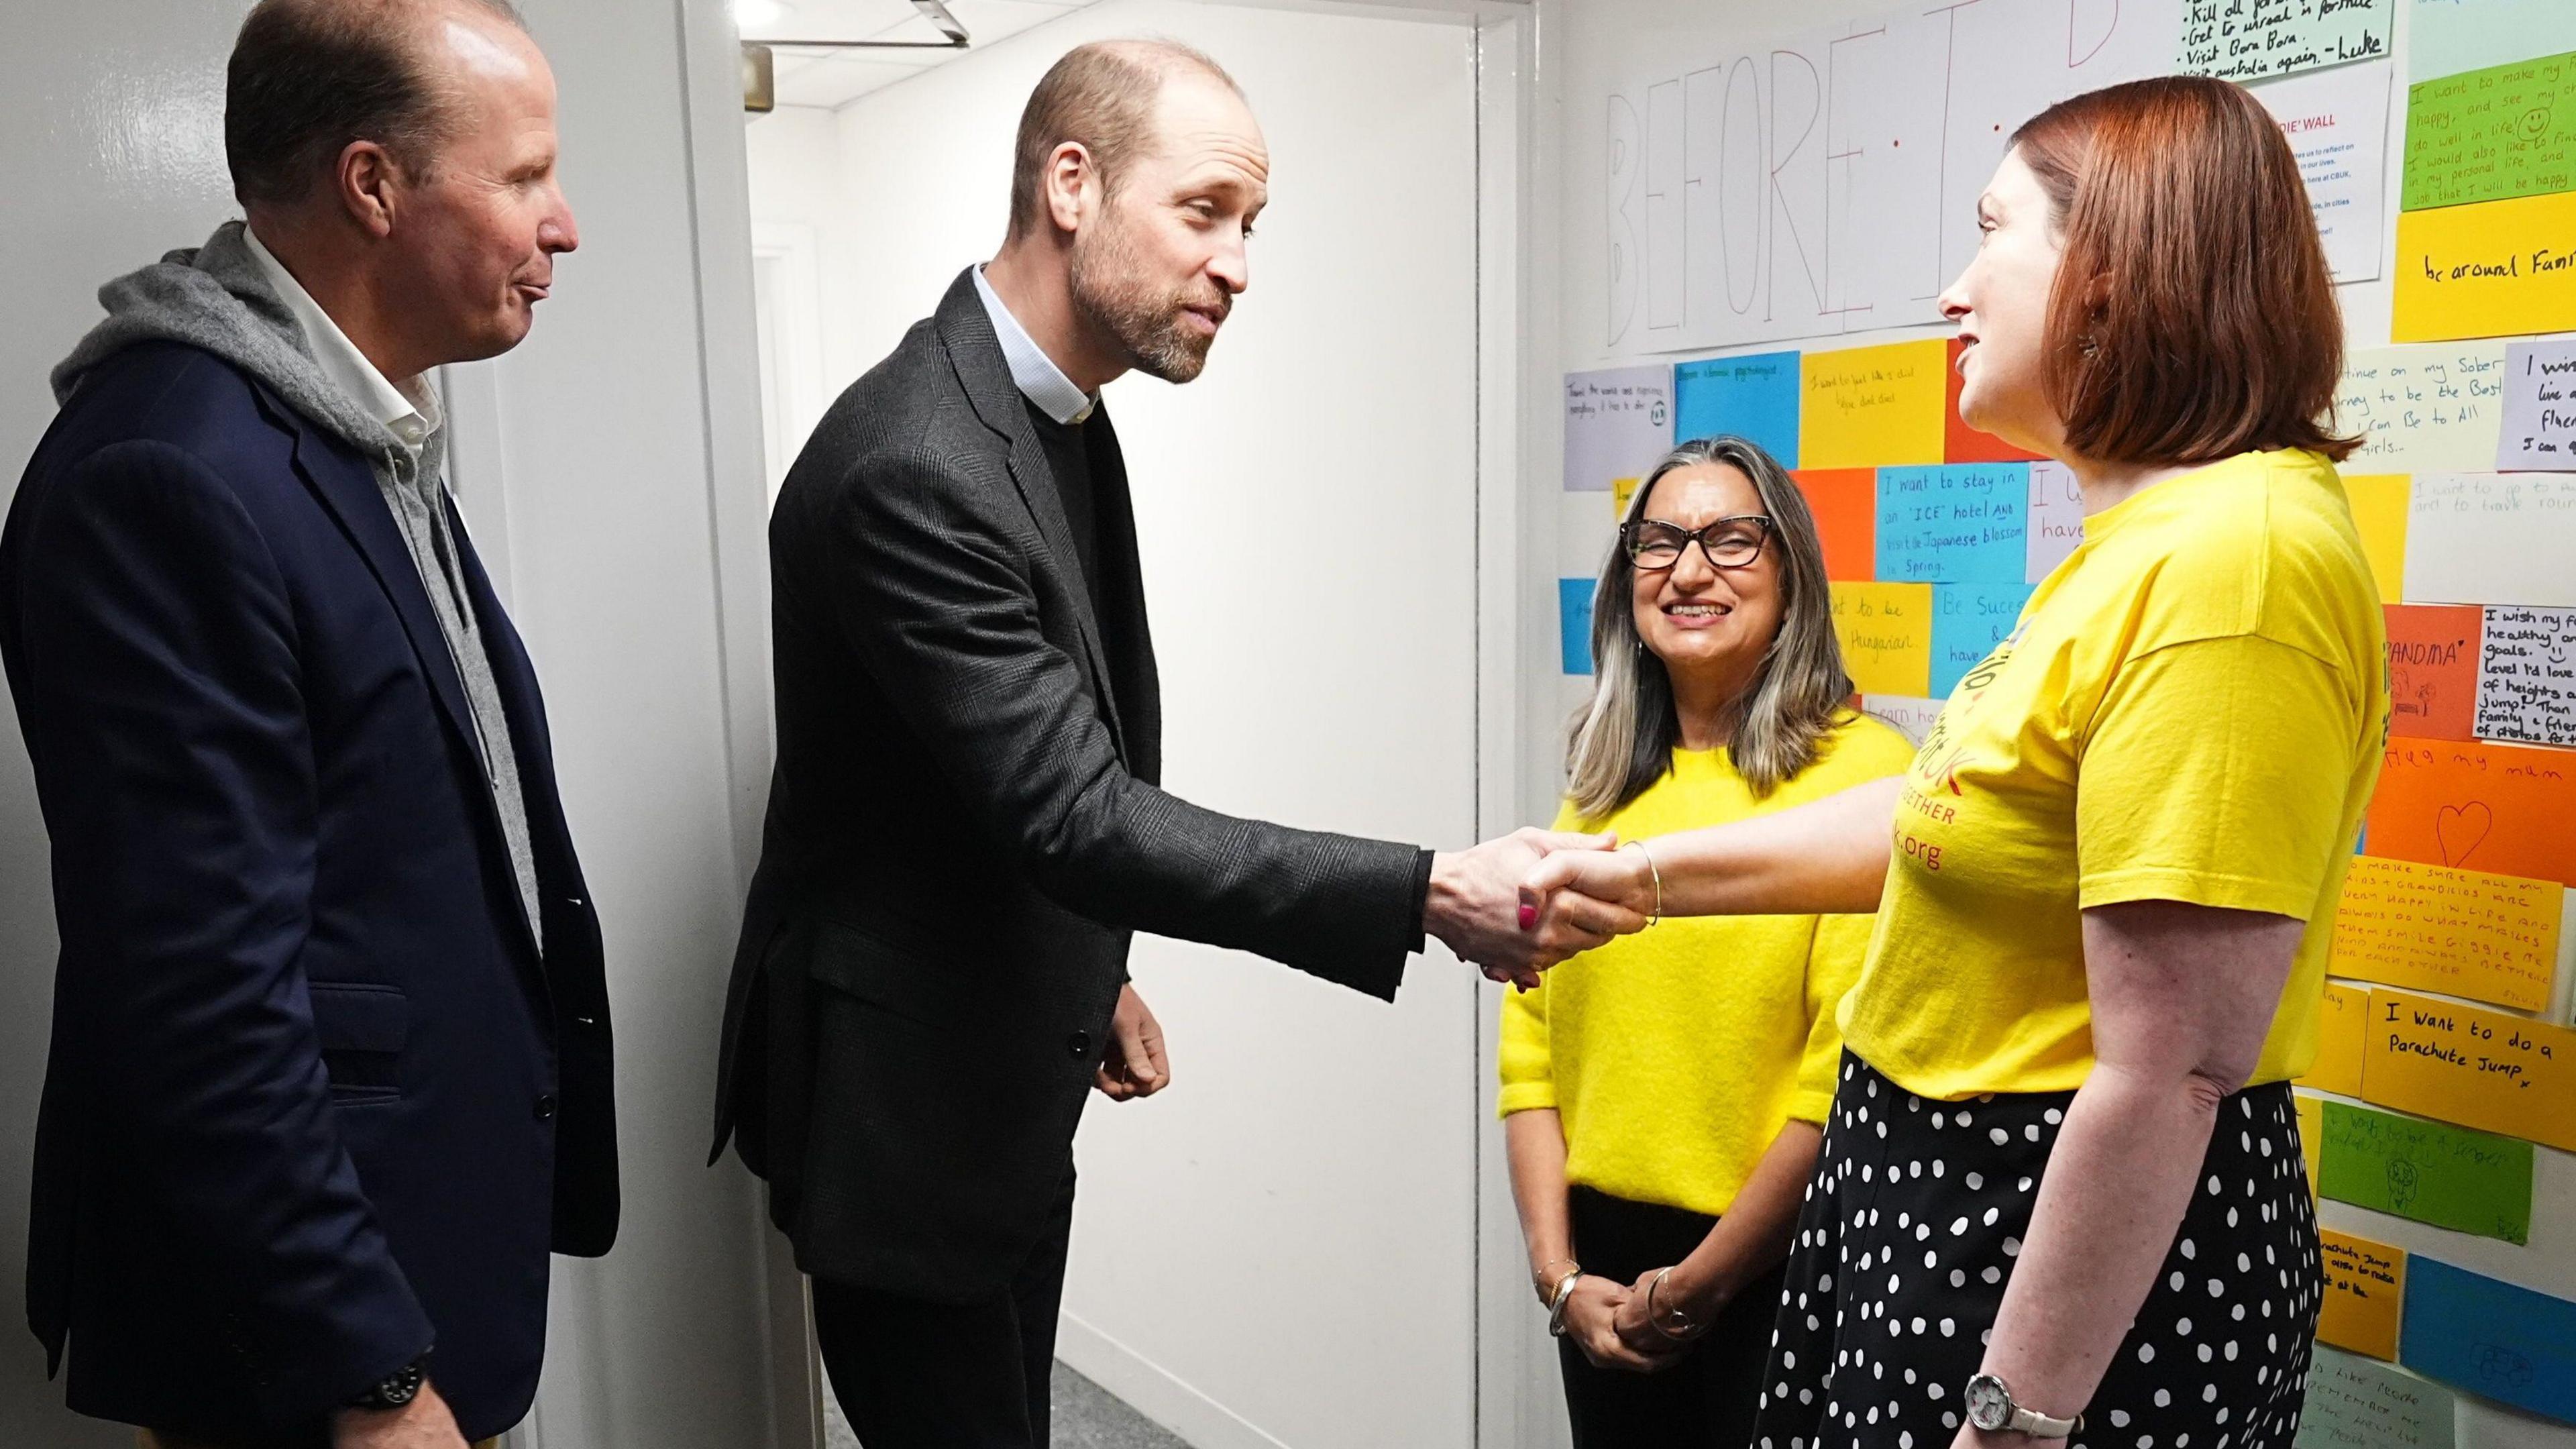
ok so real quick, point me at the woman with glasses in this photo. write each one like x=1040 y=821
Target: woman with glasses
x=1661 y=1094
x=2061 y=1195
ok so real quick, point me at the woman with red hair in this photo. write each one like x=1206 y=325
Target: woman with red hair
x=2061 y=1192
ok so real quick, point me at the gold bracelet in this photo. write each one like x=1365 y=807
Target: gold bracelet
x=1653 y=870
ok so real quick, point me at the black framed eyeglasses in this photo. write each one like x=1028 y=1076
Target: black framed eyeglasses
x=1730 y=543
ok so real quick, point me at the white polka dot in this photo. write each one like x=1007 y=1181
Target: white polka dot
x=1993 y=1275
x=1931 y=1260
x=1949 y=1421
x=2012 y=1247
x=2209 y=1393
x=1949 y=1327
x=1958 y=1226
x=1963 y=1118
x=1992 y=1214
x=2030 y=1132
x=1934 y=1389
x=2213 y=1184
x=1999 y=1135
x=2164 y=1399
x=2204 y=1353
x=2025 y=1184
x=2146 y=1353
x=2119 y=1418
x=2188 y=1248
x=1958 y=1277
x=2176 y=1280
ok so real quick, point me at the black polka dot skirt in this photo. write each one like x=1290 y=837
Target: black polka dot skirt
x=1911 y=1225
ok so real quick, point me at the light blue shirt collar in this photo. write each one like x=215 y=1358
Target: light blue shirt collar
x=1039 y=379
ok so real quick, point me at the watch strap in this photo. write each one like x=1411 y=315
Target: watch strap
x=2040 y=1426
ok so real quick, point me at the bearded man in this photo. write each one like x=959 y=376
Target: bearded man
x=964 y=826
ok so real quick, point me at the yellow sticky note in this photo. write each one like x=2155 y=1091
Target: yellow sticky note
x=1873 y=407
x=2438 y=928
x=2485 y=1069
x=2312 y=1134
x=1623 y=489
x=2339 y=1033
x=2365 y=1287
x=2492 y=269
x=1886 y=634
x=2379 y=503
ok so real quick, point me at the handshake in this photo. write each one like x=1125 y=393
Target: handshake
x=1518 y=905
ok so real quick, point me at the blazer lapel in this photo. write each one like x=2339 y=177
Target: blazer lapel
x=976 y=353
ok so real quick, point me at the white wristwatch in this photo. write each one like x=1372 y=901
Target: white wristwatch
x=1991 y=1408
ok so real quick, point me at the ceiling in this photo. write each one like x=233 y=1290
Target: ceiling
x=829 y=78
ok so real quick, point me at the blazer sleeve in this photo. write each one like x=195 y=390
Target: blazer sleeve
x=931 y=593
x=167 y=728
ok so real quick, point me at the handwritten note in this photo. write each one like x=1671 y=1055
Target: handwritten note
x=2539 y=430
x=2336 y=122
x=2434 y=928
x=2380 y=505
x=1886 y=634
x=1911 y=717
x=1574 y=625
x=2341 y=1021
x=2353 y=1403
x=2493 y=1338
x=1964 y=444
x=1752 y=397
x=2485 y=135
x=1968 y=621
x=1845 y=503
x=2422 y=409
x=2446 y=37
x=1960 y=523
x=1618 y=424
x=2433 y=669
x=1870 y=407
x=2491 y=269
x=2053 y=524
x=2527 y=676
x=2247 y=40
x=2503 y=809
x=2469 y=1182
x=2365 y=1281
x=2479 y=1068
x=2491 y=538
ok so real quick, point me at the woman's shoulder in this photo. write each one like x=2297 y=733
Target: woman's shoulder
x=1861 y=747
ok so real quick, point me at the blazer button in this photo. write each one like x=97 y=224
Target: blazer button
x=1079 y=1044
x=546 y=1107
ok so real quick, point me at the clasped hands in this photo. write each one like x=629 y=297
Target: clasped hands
x=1518 y=905
x=1607 y=1321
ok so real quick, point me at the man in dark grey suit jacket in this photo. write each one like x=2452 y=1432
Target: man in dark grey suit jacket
x=964 y=828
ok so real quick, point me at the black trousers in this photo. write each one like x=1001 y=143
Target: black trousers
x=911 y=1374
x=1706 y=1399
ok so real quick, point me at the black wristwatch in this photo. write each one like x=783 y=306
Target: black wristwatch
x=397 y=1391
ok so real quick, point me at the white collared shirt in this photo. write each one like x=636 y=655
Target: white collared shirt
x=1039 y=379
x=410 y=412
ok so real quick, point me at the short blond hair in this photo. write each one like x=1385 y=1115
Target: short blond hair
x=1100 y=96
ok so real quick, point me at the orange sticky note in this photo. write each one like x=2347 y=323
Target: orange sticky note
x=1961 y=443
x=2380 y=504
x=2461 y=932
x=1872 y=407
x=1845 y=502
x=1886 y=634
x=2339 y=1028
x=2490 y=1070
x=2365 y=1288
x=2503 y=809
x=2433 y=669
x=2312 y=1134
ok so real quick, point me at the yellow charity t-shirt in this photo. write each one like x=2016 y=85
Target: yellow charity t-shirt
x=2193 y=707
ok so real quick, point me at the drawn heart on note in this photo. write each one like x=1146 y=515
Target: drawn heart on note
x=2461 y=829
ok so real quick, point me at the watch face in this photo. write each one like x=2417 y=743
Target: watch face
x=1989 y=1402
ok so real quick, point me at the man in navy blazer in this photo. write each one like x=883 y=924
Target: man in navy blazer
x=330 y=1065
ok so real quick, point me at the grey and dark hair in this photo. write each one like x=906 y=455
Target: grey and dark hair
x=310 y=77
x=1100 y=96
x=1622 y=741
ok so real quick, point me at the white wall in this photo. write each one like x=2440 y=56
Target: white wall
x=1281 y=1250
x=607 y=469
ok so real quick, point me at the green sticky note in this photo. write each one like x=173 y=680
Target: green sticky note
x=2486 y=135
x=2451 y=1177
x=2353 y=1403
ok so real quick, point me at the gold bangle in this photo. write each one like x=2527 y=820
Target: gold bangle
x=1655 y=871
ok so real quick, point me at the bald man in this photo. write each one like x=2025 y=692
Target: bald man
x=330 y=1063
x=965 y=827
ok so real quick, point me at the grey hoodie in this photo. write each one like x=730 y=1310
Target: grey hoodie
x=217 y=299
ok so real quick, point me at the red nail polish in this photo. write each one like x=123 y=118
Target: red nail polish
x=1529 y=916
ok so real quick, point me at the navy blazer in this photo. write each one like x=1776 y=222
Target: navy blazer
x=314 y=1102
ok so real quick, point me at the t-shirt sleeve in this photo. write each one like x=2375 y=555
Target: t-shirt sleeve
x=1528 y=1081
x=2216 y=773
x=1833 y=964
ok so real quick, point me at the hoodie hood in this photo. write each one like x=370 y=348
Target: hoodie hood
x=217 y=299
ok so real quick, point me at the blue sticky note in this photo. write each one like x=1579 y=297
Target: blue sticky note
x=1574 y=620
x=1752 y=397
x=1959 y=523
x=1968 y=621
x=2492 y=1338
